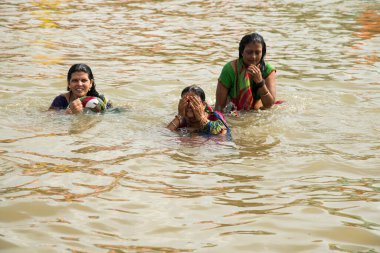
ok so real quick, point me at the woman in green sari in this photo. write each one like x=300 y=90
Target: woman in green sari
x=247 y=83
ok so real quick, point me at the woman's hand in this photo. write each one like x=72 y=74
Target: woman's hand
x=198 y=108
x=182 y=107
x=76 y=106
x=255 y=73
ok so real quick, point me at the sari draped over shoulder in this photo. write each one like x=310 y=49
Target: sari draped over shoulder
x=236 y=79
x=217 y=122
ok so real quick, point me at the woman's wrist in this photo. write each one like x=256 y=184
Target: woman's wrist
x=260 y=84
x=172 y=123
x=68 y=111
x=176 y=122
x=264 y=94
x=204 y=121
x=179 y=118
x=264 y=91
x=266 y=97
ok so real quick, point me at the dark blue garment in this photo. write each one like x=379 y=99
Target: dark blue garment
x=60 y=102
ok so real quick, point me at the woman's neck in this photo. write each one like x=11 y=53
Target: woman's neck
x=72 y=96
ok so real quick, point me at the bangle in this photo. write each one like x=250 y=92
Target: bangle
x=260 y=84
x=171 y=122
x=266 y=94
x=179 y=117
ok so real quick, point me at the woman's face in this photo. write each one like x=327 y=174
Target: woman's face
x=80 y=84
x=252 y=53
x=189 y=111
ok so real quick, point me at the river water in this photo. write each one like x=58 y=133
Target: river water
x=301 y=177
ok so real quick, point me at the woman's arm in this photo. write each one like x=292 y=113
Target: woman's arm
x=268 y=91
x=221 y=97
x=175 y=123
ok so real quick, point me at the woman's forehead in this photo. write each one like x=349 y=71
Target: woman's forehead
x=254 y=45
x=79 y=74
x=189 y=93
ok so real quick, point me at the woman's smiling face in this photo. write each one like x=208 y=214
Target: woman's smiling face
x=80 y=84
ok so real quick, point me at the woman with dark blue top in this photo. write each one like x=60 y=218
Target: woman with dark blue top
x=80 y=83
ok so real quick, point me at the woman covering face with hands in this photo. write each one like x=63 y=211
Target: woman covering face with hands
x=248 y=82
x=195 y=115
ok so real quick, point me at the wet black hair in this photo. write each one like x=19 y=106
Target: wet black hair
x=254 y=37
x=195 y=89
x=81 y=67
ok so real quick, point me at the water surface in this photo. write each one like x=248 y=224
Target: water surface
x=301 y=177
